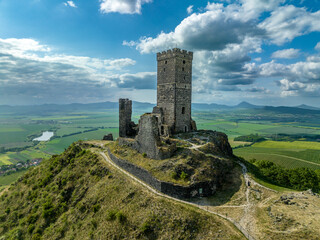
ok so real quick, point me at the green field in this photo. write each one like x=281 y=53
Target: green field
x=288 y=145
x=17 y=129
x=288 y=154
x=7 y=180
x=5 y=160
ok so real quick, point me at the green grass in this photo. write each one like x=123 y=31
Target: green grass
x=5 y=159
x=58 y=145
x=9 y=179
x=287 y=154
x=95 y=201
x=289 y=145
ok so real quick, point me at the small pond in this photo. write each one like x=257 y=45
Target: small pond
x=45 y=136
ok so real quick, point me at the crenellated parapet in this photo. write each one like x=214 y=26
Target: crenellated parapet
x=173 y=53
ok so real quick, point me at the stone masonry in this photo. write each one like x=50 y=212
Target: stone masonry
x=173 y=111
x=126 y=126
x=174 y=89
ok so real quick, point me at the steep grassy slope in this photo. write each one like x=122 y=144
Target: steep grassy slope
x=76 y=195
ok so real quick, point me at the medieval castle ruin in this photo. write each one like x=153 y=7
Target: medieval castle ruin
x=171 y=115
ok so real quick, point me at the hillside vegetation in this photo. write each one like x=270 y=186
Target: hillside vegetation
x=76 y=195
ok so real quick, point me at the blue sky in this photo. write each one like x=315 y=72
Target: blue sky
x=265 y=52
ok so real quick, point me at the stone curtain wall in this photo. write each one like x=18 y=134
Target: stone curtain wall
x=173 y=190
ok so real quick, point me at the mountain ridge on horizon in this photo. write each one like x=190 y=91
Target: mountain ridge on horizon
x=145 y=106
x=242 y=104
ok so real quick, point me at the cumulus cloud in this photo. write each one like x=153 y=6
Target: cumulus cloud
x=122 y=6
x=142 y=80
x=317 y=47
x=295 y=88
x=223 y=37
x=190 y=9
x=288 y=22
x=30 y=71
x=287 y=53
x=70 y=4
x=211 y=30
x=253 y=8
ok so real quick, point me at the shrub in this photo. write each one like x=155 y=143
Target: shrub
x=96 y=208
x=174 y=175
x=183 y=175
x=121 y=217
x=144 y=155
x=30 y=228
x=111 y=215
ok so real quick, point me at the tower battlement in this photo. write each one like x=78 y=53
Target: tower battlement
x=175 y=52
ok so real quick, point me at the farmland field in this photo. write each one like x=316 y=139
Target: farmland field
x=70 y=124
x=292 y=155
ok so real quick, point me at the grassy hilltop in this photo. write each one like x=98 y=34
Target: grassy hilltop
x=76 y=195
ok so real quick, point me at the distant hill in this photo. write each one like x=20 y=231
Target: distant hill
x=50 y=109
x=247 y=105
x=307 y=107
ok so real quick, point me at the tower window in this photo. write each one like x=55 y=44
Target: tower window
x=162 y=130
x=164 y=69
x=182 y=69
x=183 y=110
x=184 y=78
x=184 y=62
x=165 y=62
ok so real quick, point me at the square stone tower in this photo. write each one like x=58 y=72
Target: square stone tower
x=174 y=78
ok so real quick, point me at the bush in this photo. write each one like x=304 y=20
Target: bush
x=30 y=228
x=297 y=178
x=111 y=215
x=183 y=175
x=121 y=217
x=144 y=155
x=96 y=208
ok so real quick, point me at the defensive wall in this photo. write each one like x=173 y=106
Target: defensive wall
x=202 y=189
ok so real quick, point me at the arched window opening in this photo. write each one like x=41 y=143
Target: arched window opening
x=184 y=62
x=164 y=69
x=183 y=110
x=185 y=129
x=165 y=62
x=183 y=69
x=162 y=130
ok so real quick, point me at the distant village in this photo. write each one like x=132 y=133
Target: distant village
x=12 y=168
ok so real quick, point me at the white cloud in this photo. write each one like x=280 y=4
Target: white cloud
x=30 y=71
x=142 y=80
x=224 y=36
x=70 y=4
x=317 y=47
x=211 y=30
x=286 y=53
x=295 y=88
x=253 y=8
x=122 y=6
x=289 y=22
x=190 y=9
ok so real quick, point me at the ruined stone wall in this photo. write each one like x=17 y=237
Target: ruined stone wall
x=199 y=189
x=148 y=138
x=126 y=126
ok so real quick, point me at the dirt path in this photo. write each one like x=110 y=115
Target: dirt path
x=204 y=208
